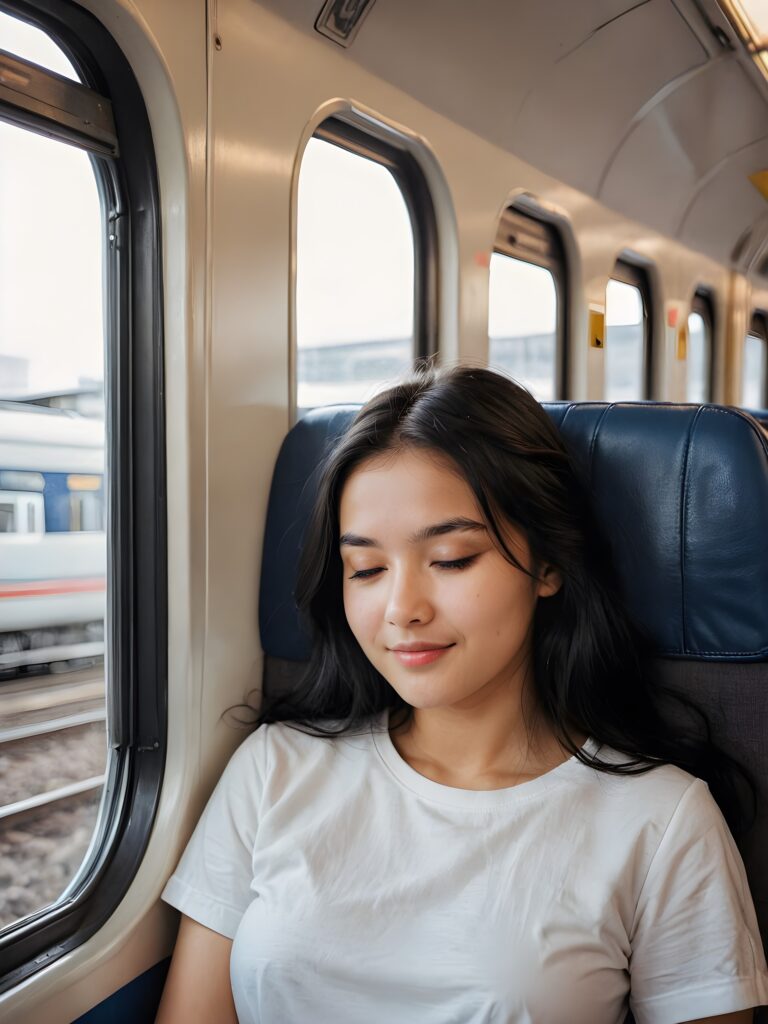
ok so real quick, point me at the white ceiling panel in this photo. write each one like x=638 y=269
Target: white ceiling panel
x=572 y=123
x=713 y=114
x=726 y=205
x=475 y=63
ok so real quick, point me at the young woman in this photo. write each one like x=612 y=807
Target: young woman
x=471 y=810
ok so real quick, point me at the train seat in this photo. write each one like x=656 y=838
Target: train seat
x=681 y=492
x=761 y=415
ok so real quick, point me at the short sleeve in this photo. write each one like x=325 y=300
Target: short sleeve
x=696 y=949
x=212 y=883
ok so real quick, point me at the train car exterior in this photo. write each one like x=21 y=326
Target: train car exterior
x=282 y=220
x=53 y=542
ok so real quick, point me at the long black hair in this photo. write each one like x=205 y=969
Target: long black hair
x=589 y=669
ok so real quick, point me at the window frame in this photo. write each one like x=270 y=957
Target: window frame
x=626 y=271
x=527 y=235
x=382 y=148
x=758 y=328
x=703 y=303
x=135 y=453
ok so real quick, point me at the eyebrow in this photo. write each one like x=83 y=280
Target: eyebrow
x=458 y=523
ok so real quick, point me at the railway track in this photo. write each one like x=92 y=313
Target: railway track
x=34 y=729
x=53 y=753
x=34 y=803
x=42 y=849
x=36 y=699
x=22 y=732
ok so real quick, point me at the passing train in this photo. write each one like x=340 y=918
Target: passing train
x=290 y=203
x=52 y=540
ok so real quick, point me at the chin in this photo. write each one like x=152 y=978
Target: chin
x=424 y=697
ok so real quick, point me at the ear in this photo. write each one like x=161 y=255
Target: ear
x=549 y=581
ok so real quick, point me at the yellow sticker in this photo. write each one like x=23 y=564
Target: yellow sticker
x=682 y=341
x=596 y=327
x=760 y=180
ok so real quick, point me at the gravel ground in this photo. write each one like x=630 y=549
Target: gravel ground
x=41 y=851
x=40 y=854
x=42 y=763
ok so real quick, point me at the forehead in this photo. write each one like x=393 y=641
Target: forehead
x=408 y=486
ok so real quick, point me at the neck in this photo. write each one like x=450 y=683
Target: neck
x=489 y=745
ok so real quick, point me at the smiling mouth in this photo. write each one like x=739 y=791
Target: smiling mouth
x=419 y=654
x=420 y=645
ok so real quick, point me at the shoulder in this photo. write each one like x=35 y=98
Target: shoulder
x=647 y=829
x=654 y=799
x=288 y=745
x=666 y=782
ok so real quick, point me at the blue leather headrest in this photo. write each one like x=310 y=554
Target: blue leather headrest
x=681 y=493
x=761 y=415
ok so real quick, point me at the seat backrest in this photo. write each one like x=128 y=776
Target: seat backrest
x=681 y=493
x=761 y=415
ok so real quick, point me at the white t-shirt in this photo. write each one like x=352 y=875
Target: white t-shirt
x=360 y=892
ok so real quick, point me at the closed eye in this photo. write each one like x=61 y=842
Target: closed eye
x=455 y=563
x=364 y=574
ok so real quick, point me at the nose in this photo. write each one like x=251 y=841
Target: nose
x=408 y=600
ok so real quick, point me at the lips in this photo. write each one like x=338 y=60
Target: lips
x=422 y=645
x=416 y=654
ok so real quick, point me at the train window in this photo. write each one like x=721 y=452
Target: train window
x=627 y=342
x=7 y=515
x=525 y=307
x=21 y=513
x=31 y=43
x=356 y=273
x=51 y=611
x=70 y=424
x=700 y=345
x=754 y=381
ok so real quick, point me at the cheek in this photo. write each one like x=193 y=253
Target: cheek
x=362 y=611
x=500 y=605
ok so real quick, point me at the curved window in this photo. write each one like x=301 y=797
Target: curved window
x=52 y=592
x=754 y=379
x=627 y=336
x=701 y=322
x=360 y=281
x=526 y=305
x=73 y=705
x=30 y=43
